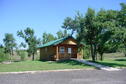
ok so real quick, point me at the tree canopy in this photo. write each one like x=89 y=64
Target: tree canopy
x=103 y=30
x=9 y=43
x=31 y=40
x=47 y=37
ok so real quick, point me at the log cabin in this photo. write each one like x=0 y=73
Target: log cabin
x=64 y=48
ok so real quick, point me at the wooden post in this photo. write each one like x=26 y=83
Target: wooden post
x=65 y=53
x=57 y=53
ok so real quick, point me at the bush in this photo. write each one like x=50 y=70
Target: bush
x=86 y=51
x=23 y=55
x=86 y=54
x=3 y=56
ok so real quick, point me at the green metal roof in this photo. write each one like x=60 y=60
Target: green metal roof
x=55 y=42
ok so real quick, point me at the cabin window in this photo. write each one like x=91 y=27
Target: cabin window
x=69 y=50
x=62 y=50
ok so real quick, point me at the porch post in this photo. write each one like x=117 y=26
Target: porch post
x=57 y=53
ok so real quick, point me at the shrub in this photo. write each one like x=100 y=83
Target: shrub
x=86 y=51
x=86 y=54
x=3 y=56
x=23 y=55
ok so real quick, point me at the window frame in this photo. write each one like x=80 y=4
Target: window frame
x=62 y=49
x=69 y=50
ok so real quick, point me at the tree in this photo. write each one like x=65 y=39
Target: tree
x=3 y=56
x=106 y=24
x=103 y=43
x=85 y=27
x=71 y=24
x=121 y=31
x=61 y=34
x=91 y=29
x=9 y=43
x=30 y=39
x=1 y=46
x=22 y=45
x=47 y=37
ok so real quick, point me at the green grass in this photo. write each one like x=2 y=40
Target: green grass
x=114 y=60
x=40 y=65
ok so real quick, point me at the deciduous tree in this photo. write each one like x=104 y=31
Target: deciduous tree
x=61 y=34
x=31 y=40
x=47 y=37
x=9 y=43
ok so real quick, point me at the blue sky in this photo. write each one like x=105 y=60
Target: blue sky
x=44 y=15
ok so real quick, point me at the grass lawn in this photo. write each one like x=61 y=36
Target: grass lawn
x=114 y=63
x=40 y=65
x=114 y=60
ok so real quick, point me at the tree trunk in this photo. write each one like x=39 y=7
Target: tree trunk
x=92 y=53
x=33 y=57
x=10 y=56
x=96 y=57
x=95 y=52
x=101 y=58
x=12 y=52
x=125 y=51
x=29 y=54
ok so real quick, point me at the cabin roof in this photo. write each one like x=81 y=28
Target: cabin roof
x=55 y=42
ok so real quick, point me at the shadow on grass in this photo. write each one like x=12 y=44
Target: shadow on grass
x=112 y=64
x=120 y=59
x=70 y=62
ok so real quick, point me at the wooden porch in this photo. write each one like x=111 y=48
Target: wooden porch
x=69 y=51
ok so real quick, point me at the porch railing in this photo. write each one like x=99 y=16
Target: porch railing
x=67 y=55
